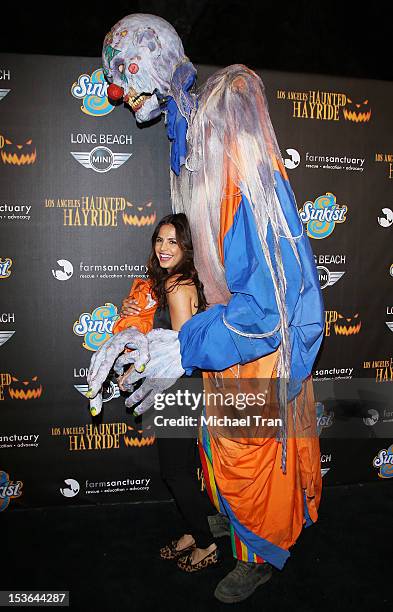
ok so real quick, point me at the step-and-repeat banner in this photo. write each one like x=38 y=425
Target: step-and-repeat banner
x=82 y=187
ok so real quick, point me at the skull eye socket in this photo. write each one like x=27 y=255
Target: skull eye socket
x=28 y=142
x=349 y=101
x=365 y=102
x=35 y=378
x=133 y=68
x=15 y=379
x=8 y=141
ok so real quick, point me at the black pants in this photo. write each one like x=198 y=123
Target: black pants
x=178 y=464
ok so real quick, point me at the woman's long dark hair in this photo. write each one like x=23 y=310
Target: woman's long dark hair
x=185 y=269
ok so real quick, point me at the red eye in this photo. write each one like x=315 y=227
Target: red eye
x=133 y=68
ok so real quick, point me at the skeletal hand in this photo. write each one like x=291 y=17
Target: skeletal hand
x=103 y=359
x=161 y=372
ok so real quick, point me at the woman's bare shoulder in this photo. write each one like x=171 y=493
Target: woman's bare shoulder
x=172 y=285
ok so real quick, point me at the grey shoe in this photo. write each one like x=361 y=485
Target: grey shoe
x=242 y=581
x=219 y=525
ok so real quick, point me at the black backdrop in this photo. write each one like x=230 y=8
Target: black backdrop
x=81 y=189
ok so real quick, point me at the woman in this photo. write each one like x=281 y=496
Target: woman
x=179 y=293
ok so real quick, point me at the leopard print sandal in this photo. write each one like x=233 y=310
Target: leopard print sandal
x=170 y=552
x=185 y=564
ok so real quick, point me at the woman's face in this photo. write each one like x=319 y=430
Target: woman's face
x=167 y=250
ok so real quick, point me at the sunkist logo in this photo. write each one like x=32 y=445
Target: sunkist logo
x=321 y=215
x=5 y=267
x=96 y=327
x=384 y=461
x=9 y=489
x=17 y=154
x=92 y=90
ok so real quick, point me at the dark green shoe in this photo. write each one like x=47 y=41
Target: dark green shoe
x=219 y=525
x=242 y=581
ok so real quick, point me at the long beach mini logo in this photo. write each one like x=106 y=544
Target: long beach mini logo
x=328 y=278
x=92 y=90
x=109 y=391
x=96 y=327
x=321 y=215
x=3 y=93
x=100 y=159
x=6 y=318
x=384 y=461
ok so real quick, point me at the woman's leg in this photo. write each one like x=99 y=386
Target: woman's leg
x=178 y=464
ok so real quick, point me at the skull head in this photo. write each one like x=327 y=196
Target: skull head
x=139 y=56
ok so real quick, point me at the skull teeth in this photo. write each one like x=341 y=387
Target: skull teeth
x=137 y=101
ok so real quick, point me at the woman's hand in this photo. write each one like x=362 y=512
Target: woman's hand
x=129 y=307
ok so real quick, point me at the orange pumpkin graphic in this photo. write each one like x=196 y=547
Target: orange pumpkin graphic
x=139 y=438
x=347 y=326
x=17 y=154
x=357 y=112
x=25 y=389
x=136 y=217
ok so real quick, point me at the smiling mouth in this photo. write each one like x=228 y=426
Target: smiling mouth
x=165 y=257
x=135 y=100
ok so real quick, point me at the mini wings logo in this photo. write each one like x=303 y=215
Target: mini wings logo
x=358 y=112
x=321 y=215
x=92 y=89
x=384 y=462
x=96 y=328
x=327 y=278
x=101 y=159
x=5 y=336
x=139 y=215
x=29 y=389
x=110 y=391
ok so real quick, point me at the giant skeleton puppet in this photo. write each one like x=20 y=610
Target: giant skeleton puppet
x=265 y=315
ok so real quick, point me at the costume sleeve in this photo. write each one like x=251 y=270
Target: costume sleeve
x=248 y=326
